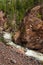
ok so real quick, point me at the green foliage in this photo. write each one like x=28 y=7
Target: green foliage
x=18 y=7
x=15 y=6
x=1 y=39
x=21 y=7
x=39 y=15
x=3 y=5
x=10 y=8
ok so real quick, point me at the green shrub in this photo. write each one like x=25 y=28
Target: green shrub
x=18 y=7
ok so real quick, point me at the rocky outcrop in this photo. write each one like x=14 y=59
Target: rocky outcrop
x=31 y=30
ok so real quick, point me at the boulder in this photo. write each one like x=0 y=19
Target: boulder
x=31 y=30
